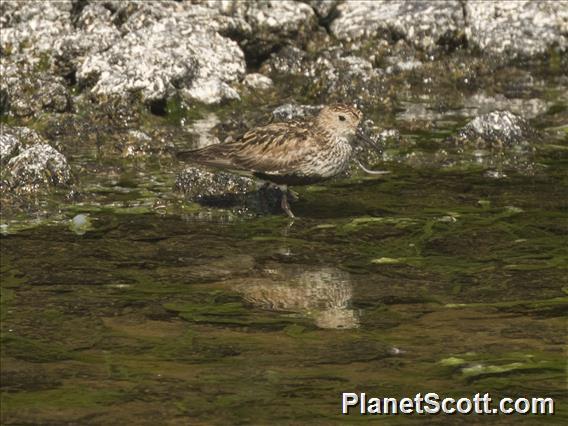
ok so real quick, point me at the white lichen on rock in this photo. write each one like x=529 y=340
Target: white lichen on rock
x=9 y=146
x=168 y=56
x=421 y=23
x=258 y=81
x=498 y=128
x=519 y=27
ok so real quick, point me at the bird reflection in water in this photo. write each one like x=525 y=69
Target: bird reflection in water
x=321 y=293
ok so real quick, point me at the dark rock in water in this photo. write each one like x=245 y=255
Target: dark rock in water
x=226 y=190
x=37 y=167
x=497 y=129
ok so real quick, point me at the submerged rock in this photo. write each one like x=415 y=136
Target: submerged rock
x=227 y=190
x=213 y=188
x=80 y=224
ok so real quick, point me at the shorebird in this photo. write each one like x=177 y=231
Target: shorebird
x=293 y=152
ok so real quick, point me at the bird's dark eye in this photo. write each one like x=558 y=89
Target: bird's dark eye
x=342 y=118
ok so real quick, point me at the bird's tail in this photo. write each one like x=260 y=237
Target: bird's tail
x=218 y=155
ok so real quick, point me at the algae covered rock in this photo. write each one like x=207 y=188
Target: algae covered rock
x=220 y=189
x=29 y=163
x=215 y=188
x=36 y=167
x=29 y=92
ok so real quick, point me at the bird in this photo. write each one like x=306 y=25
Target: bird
x=293 y=152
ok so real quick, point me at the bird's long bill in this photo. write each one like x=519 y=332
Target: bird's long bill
x=367 y=141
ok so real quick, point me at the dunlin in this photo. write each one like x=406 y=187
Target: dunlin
x=291 y=153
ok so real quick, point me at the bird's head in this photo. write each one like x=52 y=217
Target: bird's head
x=343 y=121
x=340 y=120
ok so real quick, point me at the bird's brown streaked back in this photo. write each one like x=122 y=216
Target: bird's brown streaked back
x=277 y=147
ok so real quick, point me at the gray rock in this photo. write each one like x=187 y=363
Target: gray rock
x=25 y=136
x=176 y=54
x=32 y=27
x=325 y=9
x=94 y=31
x=289 y=61
x=517 y=28
x=258 y=81
x=513 y=28
x=332 y=74
x=38 y=167
x=270 y=24
x=423 y=24
x=157 y=49
x=497 y=129
x=9 y=146
x=29 y=93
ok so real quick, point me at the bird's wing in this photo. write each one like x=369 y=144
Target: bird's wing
x=278 y=148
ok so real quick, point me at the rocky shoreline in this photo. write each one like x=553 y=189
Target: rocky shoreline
x=111 y=77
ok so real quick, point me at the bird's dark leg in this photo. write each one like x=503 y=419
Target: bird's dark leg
x=284 y=202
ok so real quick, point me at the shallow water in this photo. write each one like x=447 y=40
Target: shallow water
x=149 y=310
